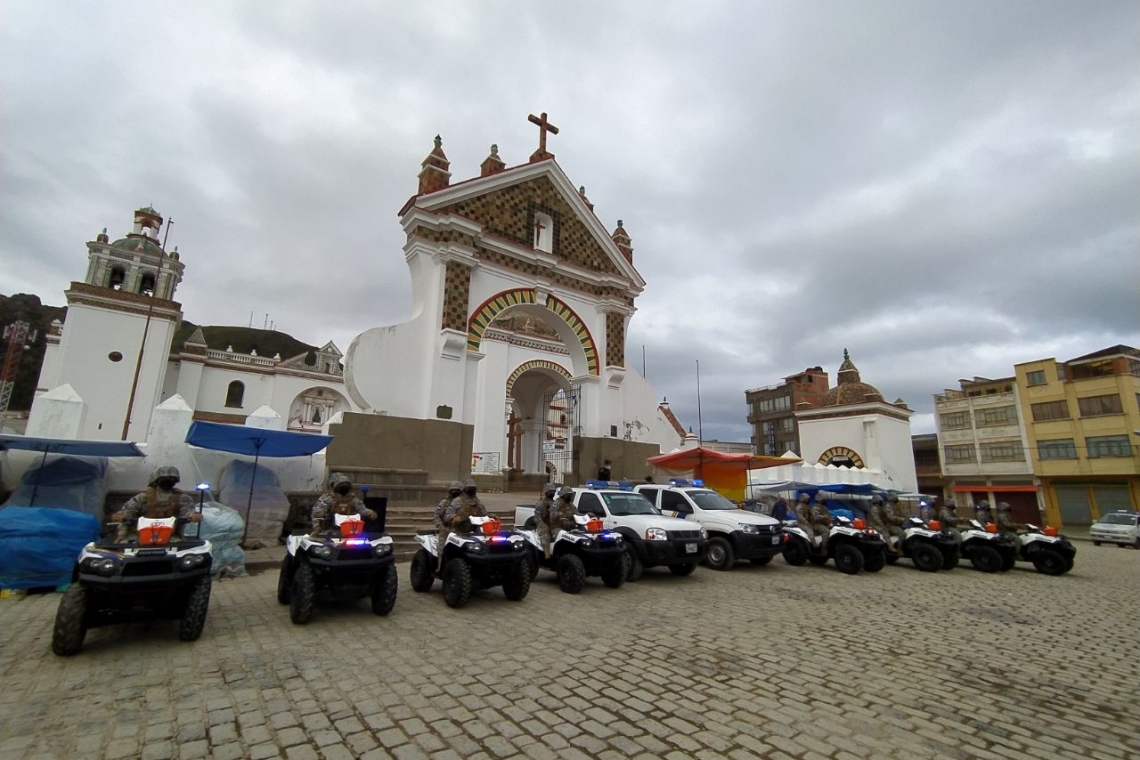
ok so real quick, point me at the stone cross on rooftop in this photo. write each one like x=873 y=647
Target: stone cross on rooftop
x=544 y=126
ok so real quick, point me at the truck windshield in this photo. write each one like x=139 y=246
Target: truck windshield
x=622 y=504
x=1118 y=519
x=710 y=500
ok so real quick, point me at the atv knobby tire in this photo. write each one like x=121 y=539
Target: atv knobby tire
x=720 y=554
x=456 y=582
x=1049 y=562
x=384 y=586
x=422 y=574
x=614 y=575
x=848 y=559
x=194 y=614
x=517 y=585
x=70 y=621
x=986 y=558
x=304 y=594
x=683 y=569
x=874 y=561
x=284 y=582
x=926 y=558
x=571 y=573
x=950 y=558
x=795 y=553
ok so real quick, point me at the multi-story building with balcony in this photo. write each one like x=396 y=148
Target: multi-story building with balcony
x=983 y=447
x=928 y=465
x=772 y=410
x=1082 y=417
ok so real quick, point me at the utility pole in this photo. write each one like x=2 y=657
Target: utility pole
x=146 y=330
x=20 y=336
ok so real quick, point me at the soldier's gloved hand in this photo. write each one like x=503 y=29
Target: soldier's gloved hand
x=116 y=517
x=370 y=514
x=195 y=517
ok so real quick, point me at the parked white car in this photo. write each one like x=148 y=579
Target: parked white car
x=1120 y=527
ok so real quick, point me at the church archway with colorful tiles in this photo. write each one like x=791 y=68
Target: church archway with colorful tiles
x=493 y=307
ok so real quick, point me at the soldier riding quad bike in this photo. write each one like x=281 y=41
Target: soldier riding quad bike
x=577 y=554
x=1050 y=553
x=485 y=558
x=986 y=548
x=337 y=564
x=926 y=545
x=156 y=575
x=852 y=546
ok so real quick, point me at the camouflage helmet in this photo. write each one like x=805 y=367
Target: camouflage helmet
x=455 y=485
x=893 y=498
x=805 y=498
x=565 y=491
x=167 y=471
x=549 y=488
x=876 y=499
x=336 y=478
x=983 y=504
x=469 y=483
x=949 y=504
x=1003 y=506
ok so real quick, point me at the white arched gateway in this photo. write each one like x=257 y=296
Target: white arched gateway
x=521 y=301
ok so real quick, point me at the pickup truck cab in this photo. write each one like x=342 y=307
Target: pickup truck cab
x=733 y=533
x=650 y=538
x=1120 y=527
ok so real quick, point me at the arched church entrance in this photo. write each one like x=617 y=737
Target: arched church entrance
x=312 y=408
x=542 y=407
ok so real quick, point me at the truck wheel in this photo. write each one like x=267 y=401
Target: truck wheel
x=194 y=615
x=986 y=558
x=571 y=573
x=950 y=559
x=1096 y=543
x=761 y=560
x=517 y=585
x=795 y=553
x=456 y=582
x=614 y=575
x=284 y=581
x=1049 y=562
x=874 y=561
x=422 y=575
x=848 y=559
x=635 y=568
x=70 y=621
x=684 y=569
x=926 y=558
x=384 y=585
x=304 y=594
x=720 y=555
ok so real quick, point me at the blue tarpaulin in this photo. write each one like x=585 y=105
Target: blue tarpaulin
x=254 y=442
x=70 y=447
x=38 y=546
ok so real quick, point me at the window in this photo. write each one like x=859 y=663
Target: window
x=671 y=501
x=116 y=277
x=960 y=454
x=589 y=504
x=1096 y=406
x=1050 y=410
x=1058 y=448
x=146 y=284
x=1036 y=377
x=1108 y=446
x=777 y=404
x=1001 y=415
x=234 y=394
x=955 y=420
x=1008 y=451
x=1100 y=368
x=785 y=425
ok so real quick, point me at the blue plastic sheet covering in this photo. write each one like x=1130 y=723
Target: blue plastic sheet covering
x=64 y=482
x=264 y=506
x=39 y=545
x=222 y=527
x=251 y=441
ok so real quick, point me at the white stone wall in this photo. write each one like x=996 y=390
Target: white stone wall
x=883 y=442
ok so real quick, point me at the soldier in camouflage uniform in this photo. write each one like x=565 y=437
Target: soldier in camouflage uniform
x=453 y=490
x=463 y=507
x=982 y=513
x=802 y=512
x=821 y=521
x=338 y=500
x=1005 y=523
x=562 y=512
x=949 y=516
x=894 y=517
x=159 y=501
x=928 y=511
x=542 y=512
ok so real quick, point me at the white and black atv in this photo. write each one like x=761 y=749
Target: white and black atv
x=487 y=557
x=986 y=548
x=852 y=546
x=586 y=551
x=1050 y=553
x=339 y=565
x=926 y=545
x=156 y=576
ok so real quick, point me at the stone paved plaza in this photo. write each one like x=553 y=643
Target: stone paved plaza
x=772 y=662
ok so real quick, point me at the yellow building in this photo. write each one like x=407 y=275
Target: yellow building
x=1081 y=418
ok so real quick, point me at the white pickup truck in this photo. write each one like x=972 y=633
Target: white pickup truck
x=650 y=538
x=733 y=533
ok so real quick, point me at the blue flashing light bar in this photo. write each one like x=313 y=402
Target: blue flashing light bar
x=612 y=485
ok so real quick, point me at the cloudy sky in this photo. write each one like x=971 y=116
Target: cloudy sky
x=944 y=188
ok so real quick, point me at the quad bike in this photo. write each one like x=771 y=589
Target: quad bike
x=576 y=554
x=466 y=562
x=926 y=545
x=1049 y=552
x=156 y=576
x=986 y=548
x=341 y=564
x=851 y=545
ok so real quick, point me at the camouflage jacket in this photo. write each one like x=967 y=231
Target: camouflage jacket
x=462 y=508
x=542 y=512
x=332 y=503
x=820 y=516
x=440 y=511
x=949 y=518
x=562 y=516
x=155 y=504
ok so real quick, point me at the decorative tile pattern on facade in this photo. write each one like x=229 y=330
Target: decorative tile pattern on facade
x=537 y=364
x=561 y=280
x=486 y=313
x=456 y=291
x=615 y=340
x=579 y=327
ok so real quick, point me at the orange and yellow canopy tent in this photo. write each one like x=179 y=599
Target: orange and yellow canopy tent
x=725 y=473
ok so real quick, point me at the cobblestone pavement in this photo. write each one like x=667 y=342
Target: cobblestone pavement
x=773 y=662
